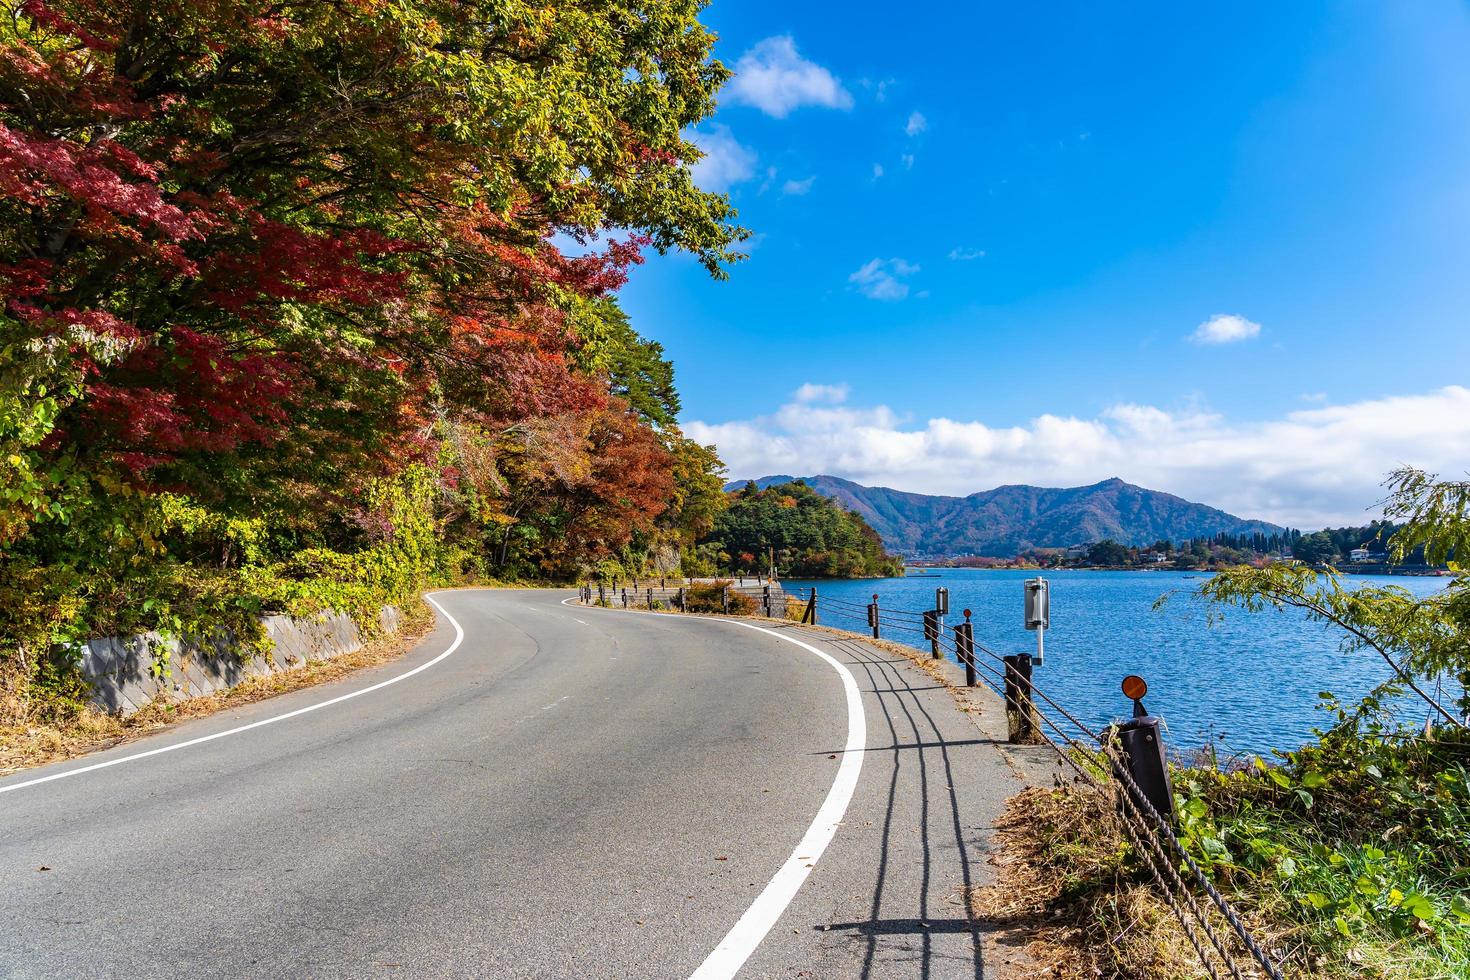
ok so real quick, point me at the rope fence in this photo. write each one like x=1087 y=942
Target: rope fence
x=1106 y=761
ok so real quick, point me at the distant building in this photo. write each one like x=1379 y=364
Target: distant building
x=1077 y=551
x=1359 y=555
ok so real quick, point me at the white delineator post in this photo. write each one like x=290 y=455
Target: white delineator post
x=1038 y=612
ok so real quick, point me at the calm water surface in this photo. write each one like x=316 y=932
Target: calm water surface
x=1249 y=682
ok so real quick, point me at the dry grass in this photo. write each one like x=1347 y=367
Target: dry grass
x=25 y=747
x=1066 y=900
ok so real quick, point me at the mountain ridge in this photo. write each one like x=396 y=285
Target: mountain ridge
x=1015 y=517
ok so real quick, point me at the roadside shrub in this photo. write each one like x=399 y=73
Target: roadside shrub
x=704 y=597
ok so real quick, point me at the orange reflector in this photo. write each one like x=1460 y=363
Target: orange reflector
x=1134 y=687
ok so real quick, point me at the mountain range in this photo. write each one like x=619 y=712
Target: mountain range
x=1011 y=519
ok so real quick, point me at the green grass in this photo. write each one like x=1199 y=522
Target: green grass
x=1359 y=848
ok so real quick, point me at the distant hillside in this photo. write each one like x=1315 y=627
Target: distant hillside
x=1010 y=519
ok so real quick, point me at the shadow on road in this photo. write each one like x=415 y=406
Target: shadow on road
x=927 y=757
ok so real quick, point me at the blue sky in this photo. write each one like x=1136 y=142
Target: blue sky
x=1222 y=251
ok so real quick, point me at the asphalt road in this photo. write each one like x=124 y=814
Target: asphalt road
x=571 y=792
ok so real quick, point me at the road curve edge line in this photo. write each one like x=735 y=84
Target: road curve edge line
x=458 y=639
x=726 y=960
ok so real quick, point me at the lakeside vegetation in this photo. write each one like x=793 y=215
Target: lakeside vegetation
x=1349 y=856
x=284 y=321
x=805 y=535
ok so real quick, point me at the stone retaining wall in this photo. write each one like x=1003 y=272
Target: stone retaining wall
x=127 y=672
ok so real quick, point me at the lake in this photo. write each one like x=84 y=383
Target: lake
x=1248 y=681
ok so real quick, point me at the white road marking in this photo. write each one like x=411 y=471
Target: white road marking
x=729 y=956
x=732 y=952
x=458 y=639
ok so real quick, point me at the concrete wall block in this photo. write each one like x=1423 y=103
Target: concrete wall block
x=390 y=619
x=120 y=668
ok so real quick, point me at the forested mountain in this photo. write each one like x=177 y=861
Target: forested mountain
x=805 y=533
x=1011 y=519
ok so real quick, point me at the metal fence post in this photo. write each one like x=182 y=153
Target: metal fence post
x=1022 y=724
x=601 y=594
x=873 y=615
x=1142 y=742
x=766 y=600
x=683 y=605
x=625 y=598
x=810 y=616
x=964 y=648
x=931 y=630
x=725 y=600
x=650 y=597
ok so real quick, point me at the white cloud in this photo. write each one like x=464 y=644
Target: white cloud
x=1307 y=468
x=882 y=279
x=1225 y=328
x=908 y=160
x=879 y=88
x=725 y=162
x=798 y=187
x=966 y=254
x=877 y=170
x=809 y=392
x=916 y=124
x=776 y=79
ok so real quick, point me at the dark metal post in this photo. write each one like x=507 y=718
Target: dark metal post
x=811 y=608
x=1022 y=723
x=683 y=605
x=931 y=630
x=1142 y=742
x=964 y=648
x=625 y=598
x=873 y=615
x=766 y=600
x=725 y=600
x=601 y=594
x=650 y=597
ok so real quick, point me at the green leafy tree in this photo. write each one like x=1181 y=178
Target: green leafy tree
x=1108 y=552
x=811 y=536
x=1315 y=548
x=1419 y=639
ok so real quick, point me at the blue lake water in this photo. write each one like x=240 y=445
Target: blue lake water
x=1248 y=681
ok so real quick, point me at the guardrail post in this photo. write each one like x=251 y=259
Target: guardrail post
x=873 y=615
x=931 y=631
x=725 y=600
x=1142 y=741
x=766 y=600
x=601 y=594
x=1022 y=723
x=650 y=598
x=625 y=598
x=683 y=604
x=810 y=615
x=964 y=648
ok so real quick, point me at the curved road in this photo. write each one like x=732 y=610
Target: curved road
x=570 y=792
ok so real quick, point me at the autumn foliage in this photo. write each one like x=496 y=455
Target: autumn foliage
x=259 y=257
